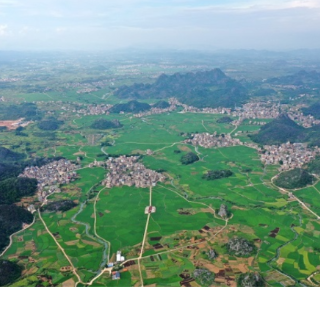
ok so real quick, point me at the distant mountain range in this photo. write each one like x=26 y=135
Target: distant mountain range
x=298 y=79
x=200 y=89
x=283 y=129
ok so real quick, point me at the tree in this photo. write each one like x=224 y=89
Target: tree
x=189 y=158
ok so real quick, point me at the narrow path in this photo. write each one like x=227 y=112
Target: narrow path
x=182 y=247
x=276 y=257
x=293 y=196
x=144 y=238
x=311 y=280
x=59 y=246
x=205 y=126
x=234 y=129
x=95 y=224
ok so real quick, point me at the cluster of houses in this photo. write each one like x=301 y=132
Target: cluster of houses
x=87 y=90
x=288 y=155
x=94 y=110
x=90 y=85
x=258 y=110
x=207 y=140
x=306 y=121
x=127 y=171
x=51 y=176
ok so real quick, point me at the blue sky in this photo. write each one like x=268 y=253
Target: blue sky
x=176 y=24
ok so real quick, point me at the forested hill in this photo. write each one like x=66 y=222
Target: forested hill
x=283 y=129
x=7 y=155
x=131 y=106
x=280 y=130
x=200 y=89
x=313 y=110
x=11 y=219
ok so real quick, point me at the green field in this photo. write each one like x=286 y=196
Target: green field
x=175 y=243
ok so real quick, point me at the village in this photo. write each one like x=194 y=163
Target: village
x=258 y=110
x=127 y=171
x=207 y=140
x=288 y=155
x=94 y=110
x=51 y=176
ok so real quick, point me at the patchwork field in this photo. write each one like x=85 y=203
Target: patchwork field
x=165 y=248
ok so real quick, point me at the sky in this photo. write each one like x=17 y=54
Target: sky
x=159 y=24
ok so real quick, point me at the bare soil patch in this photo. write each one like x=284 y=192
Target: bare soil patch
x=68 y=283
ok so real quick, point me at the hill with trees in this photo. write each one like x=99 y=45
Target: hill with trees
x=283 y=129
x=11 y=219
x=250 y=279
x=7 y=155
x=132 y=106
x=103 y=124
x=50 y=124
x=9 y=272
x=13 y=189
x=200 y=89
x=295 y=178
x=314 y=166
x=313 y=110
x=161 y=104
x=240 y=247
x=29 y=111
x=280 y=130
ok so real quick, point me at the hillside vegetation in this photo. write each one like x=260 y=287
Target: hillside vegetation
x=296 y=178
x=283 y=129
x=103 y=124
x=11 y=219
x=313 y=110
x=133 y=106
x=298 y=79
x=9 y=272
x=200 y=89
x=13 y=189
x=7 y=155
x=50 y=124
x=240 y=247
x=280 y=130
x=250 y=279
x=29 y=111
x=314 y=166
x=161 y=104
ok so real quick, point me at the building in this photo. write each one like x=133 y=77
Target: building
x=116 y=275
x=119 y=257
x=149 y=210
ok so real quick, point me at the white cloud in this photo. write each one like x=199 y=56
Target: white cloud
x=3 y=29
x=190 y=23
